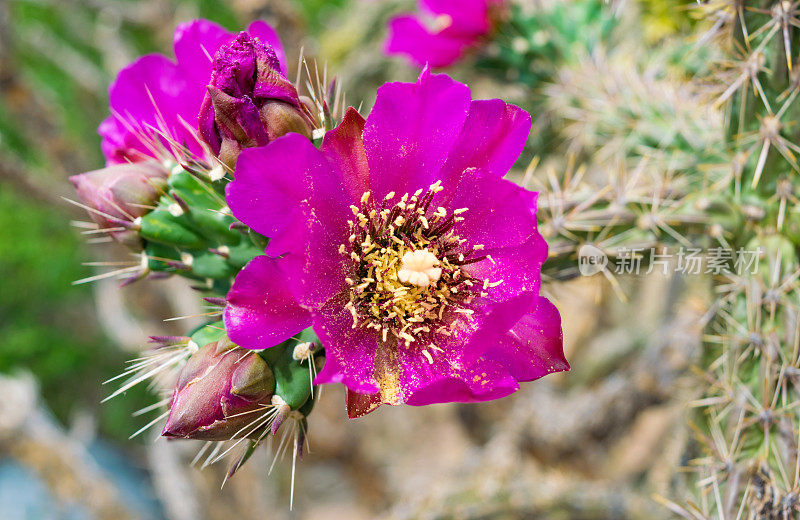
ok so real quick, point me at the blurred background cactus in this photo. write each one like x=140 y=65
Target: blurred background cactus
x=658 y=127
x=748 y=426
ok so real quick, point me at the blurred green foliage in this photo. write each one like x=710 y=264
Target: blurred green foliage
x=318 y=13
x=47 y=326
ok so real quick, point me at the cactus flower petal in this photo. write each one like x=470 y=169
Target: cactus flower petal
x=262 y=306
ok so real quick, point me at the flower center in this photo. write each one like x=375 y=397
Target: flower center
x=419 y=268
x=409 y=282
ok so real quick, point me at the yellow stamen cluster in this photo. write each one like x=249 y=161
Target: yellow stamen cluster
x=409 y=282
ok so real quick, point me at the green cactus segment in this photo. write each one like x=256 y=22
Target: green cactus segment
x=308 y=406
x=763 y=109
x=161 y=226
x=190 y=214
x=208 y=213
x=292 y=381
x=748 y=428
x=160 y=256
x=307 y=336
x=292 y=377
x=208 y=333
x=190 y=233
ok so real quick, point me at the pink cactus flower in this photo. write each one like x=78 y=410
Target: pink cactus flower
x=417 y=265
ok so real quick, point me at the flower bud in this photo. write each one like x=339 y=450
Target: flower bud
x=118 y=194
x=249 y=102
x=219 y=393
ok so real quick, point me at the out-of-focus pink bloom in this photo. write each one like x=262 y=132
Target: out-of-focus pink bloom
x=443 y=33
x=417 y=265
x=155 y=101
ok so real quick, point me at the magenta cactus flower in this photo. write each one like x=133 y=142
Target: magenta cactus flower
x=118 y=194
x=399 y=242
x=219 y=393
x=155 y=101
x=249 y=100
x=454 y=27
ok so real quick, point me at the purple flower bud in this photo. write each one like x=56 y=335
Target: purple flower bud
x=118 y=194
x=223 y=391
x=249 y=102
